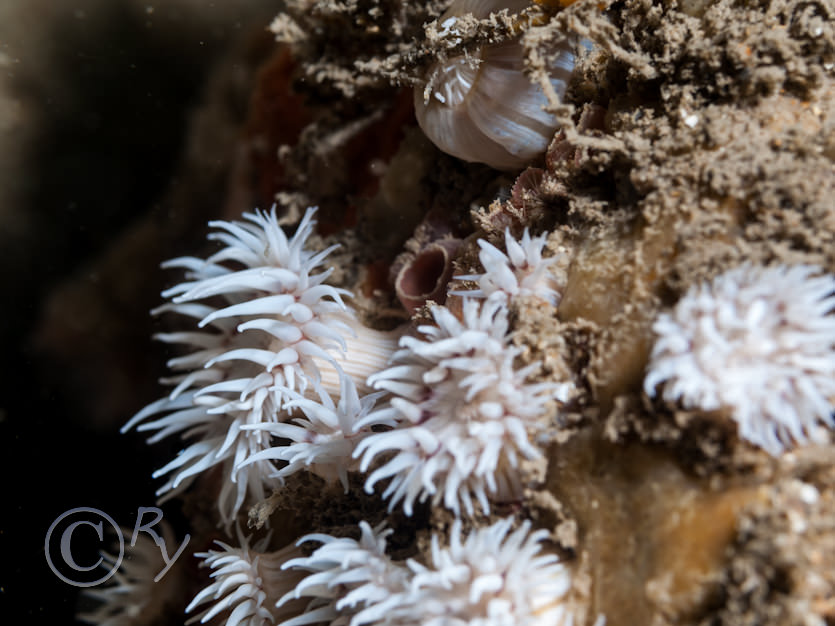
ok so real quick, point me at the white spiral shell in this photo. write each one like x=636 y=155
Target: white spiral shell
x=485 y=108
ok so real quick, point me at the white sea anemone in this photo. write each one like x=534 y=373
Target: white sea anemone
x=482 y=106
x=271 y=328
x=296 y=316
x=758 y=342
x=203 y=414
x=464 y=413
x=246 y=584
x=492 y=578
x=349 y=580
x=322 y=442
x=132 y=597
x=521 y=271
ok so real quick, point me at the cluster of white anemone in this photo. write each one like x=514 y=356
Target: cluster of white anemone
x=758 y=343
x=465 y=416
x=277 y=355
x=279 y=378
x=491 y=577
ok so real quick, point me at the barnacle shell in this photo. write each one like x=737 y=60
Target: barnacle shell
x=425 y=275
x=485 y=108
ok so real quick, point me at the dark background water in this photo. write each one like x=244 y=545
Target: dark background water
x=101 y=93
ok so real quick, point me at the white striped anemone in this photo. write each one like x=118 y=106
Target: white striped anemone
x=264 y=328
x=757 y=343
x=483 y=107
x=492 y=576
x=465 y=415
